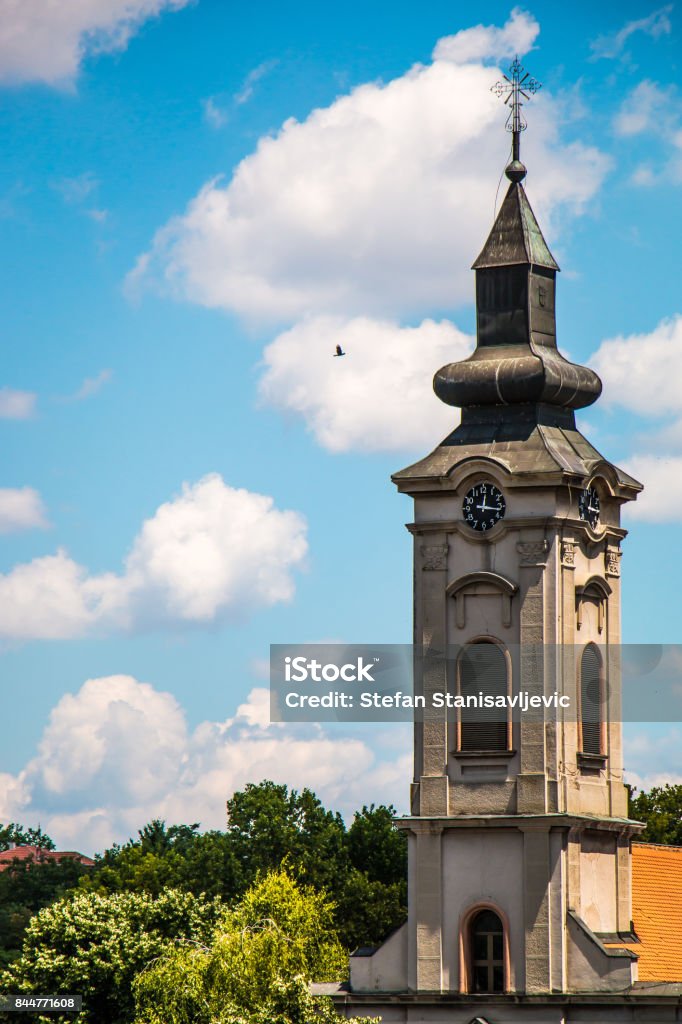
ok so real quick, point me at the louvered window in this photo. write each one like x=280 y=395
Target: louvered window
x=590 y=700
x=483 y=670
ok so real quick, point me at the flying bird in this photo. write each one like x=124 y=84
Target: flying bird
x=339 y=351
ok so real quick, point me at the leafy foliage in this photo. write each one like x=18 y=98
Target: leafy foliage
x=661 y=810
x=94 y=945
x=364 y=867
x=20 y=836
x=109 y=921
x=25 y=888
x=257 y=967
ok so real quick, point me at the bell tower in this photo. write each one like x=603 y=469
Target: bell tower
x=519 y=863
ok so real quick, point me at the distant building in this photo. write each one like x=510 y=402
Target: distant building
x=40 y=856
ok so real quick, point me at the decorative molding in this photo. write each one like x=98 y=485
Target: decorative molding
x=532 y=552
x=612 y=561
x=480 y=584
x=568 y=553
x=434 y=557
x=510 y=524
x=597 y=591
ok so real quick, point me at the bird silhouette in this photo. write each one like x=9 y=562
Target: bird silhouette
x=339 y=351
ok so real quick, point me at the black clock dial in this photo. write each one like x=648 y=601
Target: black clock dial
x=483 y=506
x=588 y=506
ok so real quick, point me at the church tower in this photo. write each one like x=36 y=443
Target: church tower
x=519 y=841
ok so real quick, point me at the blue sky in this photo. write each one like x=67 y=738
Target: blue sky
x=197 y=201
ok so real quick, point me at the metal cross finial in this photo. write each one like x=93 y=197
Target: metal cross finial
x=520 y=86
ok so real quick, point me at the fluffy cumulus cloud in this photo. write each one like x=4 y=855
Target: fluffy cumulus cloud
x=378 y=396
x=661 y=500
x=46 y=41
x=482 y=42
x=213 y=551
x=21 y=508
x=375 y=205
x=641 y=373
x=118 y=753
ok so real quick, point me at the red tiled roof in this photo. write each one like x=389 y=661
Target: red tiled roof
x=22 y=853
x=657 y=911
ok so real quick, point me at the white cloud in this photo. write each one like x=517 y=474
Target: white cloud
x=656 y=24
x=217 y=547
x=652 y=756
x=53 y=598
x=655 y=110
x=254 y=76
x=76 y=190
x=379 y=396
x=118 y=753
x=47 y=42
x=484 y=42
x=661 y=500
x=642 y=371
x=214 y=115
x=92 y=385
x=17 y=405
x=648 y=107
x=374 y=205
x=212 y=552
x=21 y=508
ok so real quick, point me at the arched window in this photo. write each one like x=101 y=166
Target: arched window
x=591 y=700
x=487 y=952
x=482 y=669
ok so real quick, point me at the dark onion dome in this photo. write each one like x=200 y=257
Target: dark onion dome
x=516 y=360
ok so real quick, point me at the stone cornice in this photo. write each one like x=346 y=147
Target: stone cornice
x=523 y=822
x=516 y=523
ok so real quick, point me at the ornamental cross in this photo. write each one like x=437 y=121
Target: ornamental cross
x=512 y=90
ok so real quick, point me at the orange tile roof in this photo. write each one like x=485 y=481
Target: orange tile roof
x=657 y=911
x=22 y=853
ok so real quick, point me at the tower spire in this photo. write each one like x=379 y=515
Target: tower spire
x=514 y=90
x=516 y=368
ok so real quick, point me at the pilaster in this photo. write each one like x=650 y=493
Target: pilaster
x=532 y=779
x=431 y=630
x=536 y=907
x=428 y=904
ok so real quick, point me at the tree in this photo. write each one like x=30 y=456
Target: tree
x=25 y=888
x=94 y=945
x=20 y=836
x=364 y=867
x=201 y=864
x=661 y=810
x=257 y=968
x=270 y=824
x=376 y=846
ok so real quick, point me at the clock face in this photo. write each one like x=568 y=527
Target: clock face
x=588 y=506
x=483 y=506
